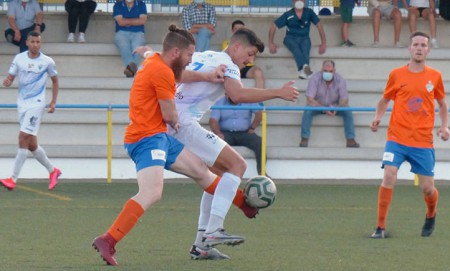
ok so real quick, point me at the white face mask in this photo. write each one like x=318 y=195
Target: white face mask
x=25 y=1
x=327 y=76
x=299 y=4
x=129 y=1
x=199 y=1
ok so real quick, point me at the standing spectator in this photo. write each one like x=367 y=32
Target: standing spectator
x=32 y=67
x=378 y=9
x=347 y=7
x=199 y=18
x=237 y=128
x=427 y=10
x=130 y=17
x=250 y=70
x=298 y=21
x=79 y=12
x=327 y=88
x=413 y=88
x=24 y=16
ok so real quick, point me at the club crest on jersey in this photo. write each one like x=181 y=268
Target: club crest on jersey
x=30 y=65
x=179 y=95
x=212 y=137
x=429 y=86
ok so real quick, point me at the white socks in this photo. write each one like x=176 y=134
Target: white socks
x=42 y=158
x=205 y=210
x=222 y=200
x=18 y=163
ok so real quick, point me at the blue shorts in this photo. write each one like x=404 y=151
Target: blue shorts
x=422 y=160
x=157 y=150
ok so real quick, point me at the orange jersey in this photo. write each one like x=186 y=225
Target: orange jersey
x=154 y=81
x=412 y=119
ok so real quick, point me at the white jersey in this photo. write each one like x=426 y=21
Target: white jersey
x=197 y=98
x=32 y=74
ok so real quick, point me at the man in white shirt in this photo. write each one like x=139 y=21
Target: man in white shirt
x=32 y=67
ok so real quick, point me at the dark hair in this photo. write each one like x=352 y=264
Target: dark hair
x=236 y=22
x=418 y=33
x=249 y=37
x=328 y=61
x=179 y=38
x=33 y=34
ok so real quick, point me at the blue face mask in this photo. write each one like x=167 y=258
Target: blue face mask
x=327 y=76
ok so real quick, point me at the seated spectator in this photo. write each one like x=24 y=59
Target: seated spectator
x=24 y=16
x=199 y=18
x=237 y=128
x=298 y=21
x=327 y=88
x=427 y=10
x=130 y=17
x=79 y=12
x=378 y=9
x=250 y=71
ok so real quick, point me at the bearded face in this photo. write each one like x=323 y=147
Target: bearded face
x=178 y=65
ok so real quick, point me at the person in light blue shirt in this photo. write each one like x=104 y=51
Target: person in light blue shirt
x=130 y=17
x=237 y=127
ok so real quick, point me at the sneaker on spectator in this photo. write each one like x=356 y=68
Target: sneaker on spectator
x=302 y=74
x=82 y=38
x=71 y=37
x=307 y=70
x=350 y=44
x=375 y=44
x=399 y=45
x=434 y=44
x=344 y=44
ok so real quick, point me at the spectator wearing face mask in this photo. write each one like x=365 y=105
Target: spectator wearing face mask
x=327 y=88
x=199 y=18
x=130 y=17
x=24 y=16
x=298 y=21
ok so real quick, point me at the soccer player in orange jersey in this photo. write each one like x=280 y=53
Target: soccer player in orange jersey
x=413 y=88
x=152 y=109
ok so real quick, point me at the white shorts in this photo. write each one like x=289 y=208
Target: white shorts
x=30 y=119
x=386 y=11
x=203 y=143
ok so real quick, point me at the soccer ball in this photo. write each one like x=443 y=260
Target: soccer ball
x=260 y=192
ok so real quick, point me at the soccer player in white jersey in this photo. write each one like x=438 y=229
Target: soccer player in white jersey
x=32 y=67
x=192 y=101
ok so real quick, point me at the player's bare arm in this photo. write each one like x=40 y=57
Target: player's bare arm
x=443 y=131
x=239 y=94
x=55 y=91
x=169 y=113
x=380 y=110
x=8 y=80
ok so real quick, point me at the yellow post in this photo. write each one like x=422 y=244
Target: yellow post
x=263 y=142
x=416 y=180
x=109 y=143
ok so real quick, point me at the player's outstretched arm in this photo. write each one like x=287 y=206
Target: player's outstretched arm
x=238 y=94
